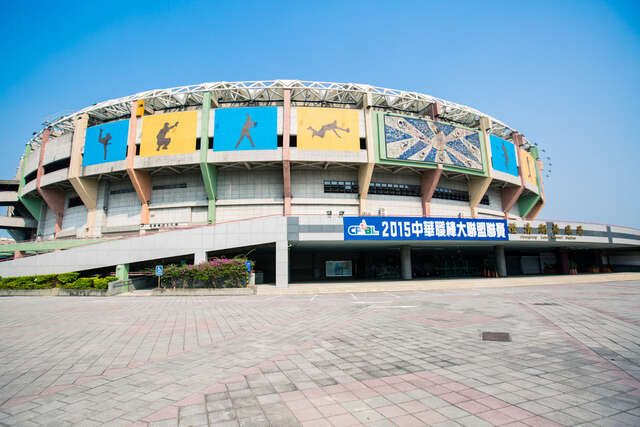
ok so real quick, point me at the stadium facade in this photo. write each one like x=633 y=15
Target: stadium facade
x=314 y=180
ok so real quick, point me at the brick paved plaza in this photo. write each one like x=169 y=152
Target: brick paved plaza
x=379 y=359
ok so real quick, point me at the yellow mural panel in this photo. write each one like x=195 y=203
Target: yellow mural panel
x=172 y=133
x=528 y=167
x=328 y=129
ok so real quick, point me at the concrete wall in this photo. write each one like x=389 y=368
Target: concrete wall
x=46 y=228
x=75 y=218
x=58 y=148
x=32 y=161
x=246 y=184
x=124 y=208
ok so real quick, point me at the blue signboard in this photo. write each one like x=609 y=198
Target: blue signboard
x=503 y=156
x=106 y=143
x=158 y=270
x=412 y=228
x=251 y=128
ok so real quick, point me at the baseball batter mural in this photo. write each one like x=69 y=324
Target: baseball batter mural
x=104 y=141
x=237 y=129
x=246 y=130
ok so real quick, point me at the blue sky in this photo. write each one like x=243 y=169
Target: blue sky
x=564 y=73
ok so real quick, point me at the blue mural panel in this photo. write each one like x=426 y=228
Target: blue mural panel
x=106 y=143
x=252 y=128
x=503 y=155
x=412 y=228
x=408 y=138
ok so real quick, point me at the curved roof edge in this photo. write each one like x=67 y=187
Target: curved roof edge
x=272 y=91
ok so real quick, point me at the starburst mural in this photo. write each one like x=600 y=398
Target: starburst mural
x=419 y=140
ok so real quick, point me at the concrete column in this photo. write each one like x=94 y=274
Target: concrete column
x=86 y=188
x=510 y=195
x=199 y=257
x=501 y=261
x=365 y=172
x=428 y=184
x=54 y=198
x=405 y=262
x=282 y=264
x=563 y=261
x=141 y=180
x=18 y=254
x=122 y=271
x=209 y=176
x=34 y=206
x=286 y=165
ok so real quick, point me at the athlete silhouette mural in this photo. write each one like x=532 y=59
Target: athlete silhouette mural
x=506 y=155
x=246 y=130
x=333 y=126
x=162 y=139
x=104 y=141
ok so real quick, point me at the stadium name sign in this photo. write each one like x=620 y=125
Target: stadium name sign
x=410 y=228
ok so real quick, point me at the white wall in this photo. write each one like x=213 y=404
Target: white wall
x=308 y=183
x=124 y=209
x=247 y=184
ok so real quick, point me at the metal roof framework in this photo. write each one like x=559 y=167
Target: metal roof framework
x=271 y=92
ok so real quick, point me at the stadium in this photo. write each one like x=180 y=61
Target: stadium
x=313 y=181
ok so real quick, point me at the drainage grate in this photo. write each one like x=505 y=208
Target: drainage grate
x=496 y=336
x=545 y=303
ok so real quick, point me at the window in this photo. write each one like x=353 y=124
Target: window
x=169 y=186
x=340 y=186
x=74 y=201
x=121 y=191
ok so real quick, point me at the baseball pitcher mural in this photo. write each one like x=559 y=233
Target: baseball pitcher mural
x=106 y=143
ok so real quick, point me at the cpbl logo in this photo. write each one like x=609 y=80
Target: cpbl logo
x=362 y=230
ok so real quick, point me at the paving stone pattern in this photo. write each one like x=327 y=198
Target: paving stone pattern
x=377 y=359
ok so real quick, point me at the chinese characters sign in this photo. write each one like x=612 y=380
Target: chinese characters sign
x=411 y=228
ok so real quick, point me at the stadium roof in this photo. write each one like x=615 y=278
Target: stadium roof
x=271 y=91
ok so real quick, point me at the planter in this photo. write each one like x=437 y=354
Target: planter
x=204 y=292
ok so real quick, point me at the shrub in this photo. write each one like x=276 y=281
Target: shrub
x=217 y=273
x=99 y=283
x=68 y=277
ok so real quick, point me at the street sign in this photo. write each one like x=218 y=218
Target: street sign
x=158 y=270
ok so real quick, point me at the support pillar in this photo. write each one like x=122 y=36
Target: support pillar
x=510 y=195
x=18 y=254
x=501 y=261
x=282 y=264
x=477 y=189
x=141 y=180
x=286 y=164
x=535 y=211
x=122 y=272
x=563 y=261
x=86 y=188
x=405 y=262
x=428 y=184
x=365 y=172
x=209 y=172
x=53 y=197
x=199 y=257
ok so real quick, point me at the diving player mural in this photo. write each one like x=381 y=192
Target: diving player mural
x=408 y=138
x=328 y=129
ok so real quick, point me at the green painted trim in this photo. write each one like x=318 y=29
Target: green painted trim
x=526 y=203
x=381 y=148
x=34 y=206
x=209 y=175
x=47 y=245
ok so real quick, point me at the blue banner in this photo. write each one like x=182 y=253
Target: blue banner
x=417 y=228
x=251 y=128
x=106 y=143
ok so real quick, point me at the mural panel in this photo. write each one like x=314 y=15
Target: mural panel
x=251 y=128
x=407 y=138
x=171 y=133
x=503 y=155
x=528 y=167
x=328 y=129
x=106 y=143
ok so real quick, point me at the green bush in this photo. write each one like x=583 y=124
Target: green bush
x=217 y=273
x=99 y=283
x=111 y=279
x=68 y=277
